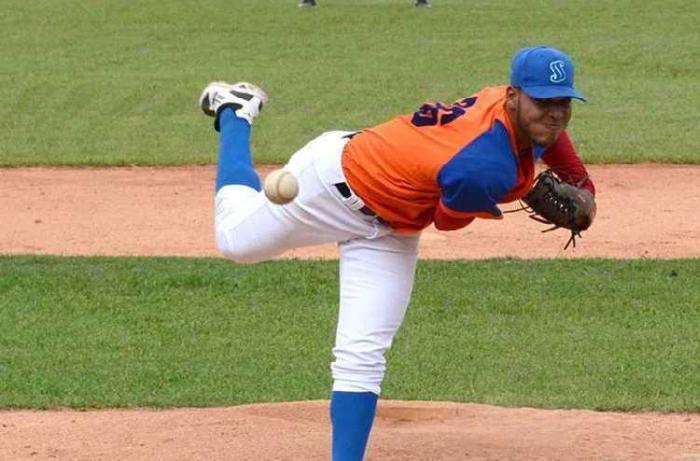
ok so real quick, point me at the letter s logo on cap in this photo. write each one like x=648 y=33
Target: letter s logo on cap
x=558 y=73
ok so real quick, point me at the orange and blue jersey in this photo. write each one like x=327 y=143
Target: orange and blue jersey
x=444 y=164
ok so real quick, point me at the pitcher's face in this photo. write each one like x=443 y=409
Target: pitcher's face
x=540 y=120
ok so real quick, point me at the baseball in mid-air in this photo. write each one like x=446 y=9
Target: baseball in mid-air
x=281 y=186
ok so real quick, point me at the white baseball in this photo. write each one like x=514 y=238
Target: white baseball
x=281 y=187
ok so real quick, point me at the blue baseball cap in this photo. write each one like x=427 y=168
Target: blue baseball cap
x=543 y=72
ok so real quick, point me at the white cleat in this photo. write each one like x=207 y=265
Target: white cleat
x=246 y=99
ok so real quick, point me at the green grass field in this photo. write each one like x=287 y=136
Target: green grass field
x=106 y=82
x=96 y=332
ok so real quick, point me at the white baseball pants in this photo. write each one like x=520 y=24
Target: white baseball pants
x=377 y=266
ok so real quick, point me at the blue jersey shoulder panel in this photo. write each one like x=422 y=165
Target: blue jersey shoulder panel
x=480 y=174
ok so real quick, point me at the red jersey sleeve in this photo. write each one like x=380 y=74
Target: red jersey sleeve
x=562 y=158
x=446 y=221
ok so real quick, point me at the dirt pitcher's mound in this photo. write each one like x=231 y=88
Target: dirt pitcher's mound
x=644 y=211
x=404 y=431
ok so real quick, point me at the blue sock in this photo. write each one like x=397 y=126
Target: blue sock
x=352 y=415
x=235 y=160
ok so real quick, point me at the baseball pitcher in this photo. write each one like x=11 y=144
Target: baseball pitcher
x=375 y=190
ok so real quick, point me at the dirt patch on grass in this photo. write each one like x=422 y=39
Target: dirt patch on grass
x=645 y=211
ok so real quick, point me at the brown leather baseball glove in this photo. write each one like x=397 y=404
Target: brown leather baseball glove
x=552 y=201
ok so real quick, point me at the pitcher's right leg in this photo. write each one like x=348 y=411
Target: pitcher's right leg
x=234 y=107
x=248 y=227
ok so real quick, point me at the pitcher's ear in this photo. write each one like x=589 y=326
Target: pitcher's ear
x=511 y=97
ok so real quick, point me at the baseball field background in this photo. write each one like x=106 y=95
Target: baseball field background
x=108 y=82
x=101 y=83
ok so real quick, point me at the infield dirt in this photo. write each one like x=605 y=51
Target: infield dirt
x=645 y=211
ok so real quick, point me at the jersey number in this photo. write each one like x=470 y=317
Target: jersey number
x=441 y=114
